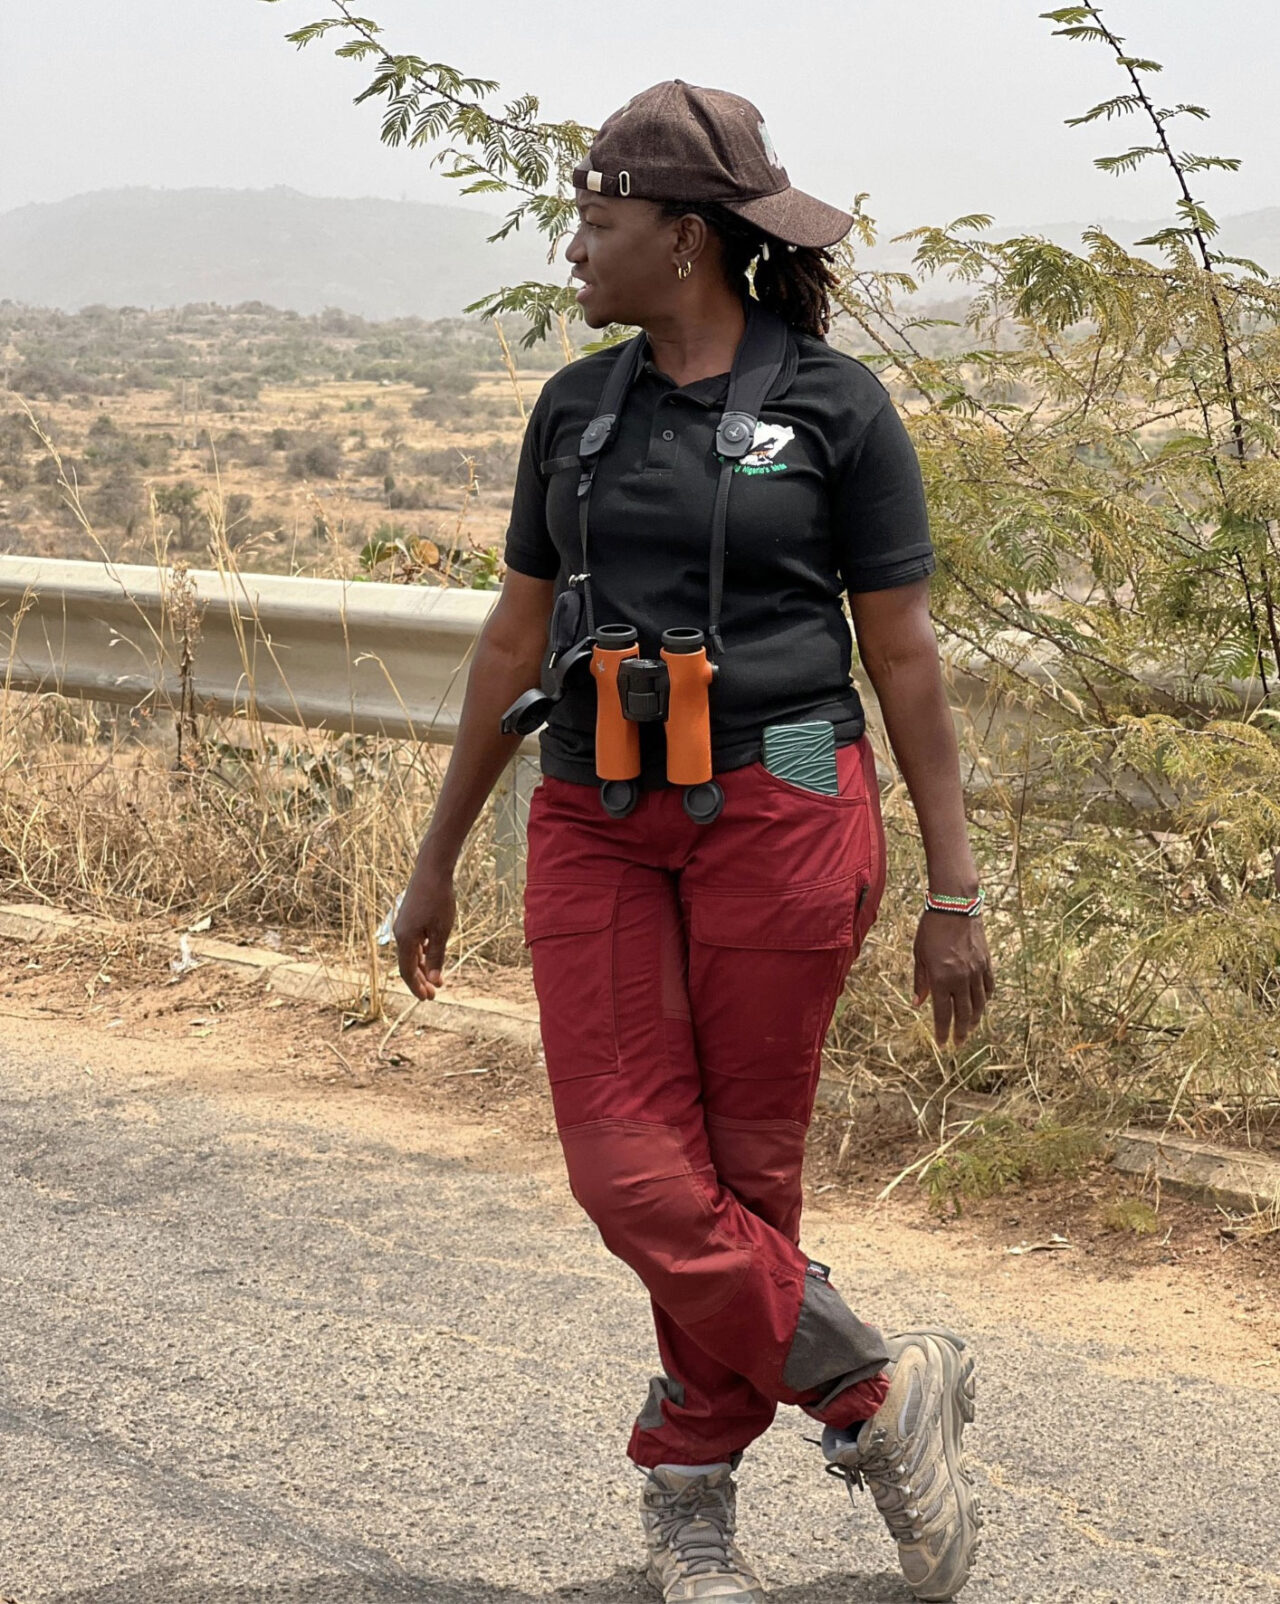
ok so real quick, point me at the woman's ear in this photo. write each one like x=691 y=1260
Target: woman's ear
x=690 y=238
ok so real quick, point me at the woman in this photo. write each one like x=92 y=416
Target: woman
x=688 y=957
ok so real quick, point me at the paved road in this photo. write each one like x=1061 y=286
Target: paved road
x=255 y=1350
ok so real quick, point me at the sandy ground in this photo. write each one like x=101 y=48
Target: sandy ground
x=1200 y=1290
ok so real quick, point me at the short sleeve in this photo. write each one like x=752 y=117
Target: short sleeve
x=879 y=520
x=529 y=548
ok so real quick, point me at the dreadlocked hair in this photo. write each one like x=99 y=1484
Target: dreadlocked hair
x=795 y=281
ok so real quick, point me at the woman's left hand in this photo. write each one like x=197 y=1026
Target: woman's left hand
x=953 y=967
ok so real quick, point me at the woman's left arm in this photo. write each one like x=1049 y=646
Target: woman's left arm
x=899 y=651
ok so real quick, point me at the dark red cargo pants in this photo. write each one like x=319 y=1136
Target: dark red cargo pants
x=686 y=977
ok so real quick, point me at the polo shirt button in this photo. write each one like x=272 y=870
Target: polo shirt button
x=668 y=434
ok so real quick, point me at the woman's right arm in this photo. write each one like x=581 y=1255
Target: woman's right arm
x=506 y=661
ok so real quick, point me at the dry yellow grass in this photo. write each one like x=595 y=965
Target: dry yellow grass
x=162 y=815
x=261 y=827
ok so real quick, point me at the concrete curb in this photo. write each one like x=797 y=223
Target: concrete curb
x=1230 y=1178
x=333 y=985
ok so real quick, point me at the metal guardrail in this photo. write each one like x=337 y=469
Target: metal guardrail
x=368 y=658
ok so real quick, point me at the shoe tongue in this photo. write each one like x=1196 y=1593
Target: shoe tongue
x=839 y=1441
x=676 y=1481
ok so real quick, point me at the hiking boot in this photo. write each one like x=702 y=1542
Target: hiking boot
x=689 y=1526
x=909 y=1454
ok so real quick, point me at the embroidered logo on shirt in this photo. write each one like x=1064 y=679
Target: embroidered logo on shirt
x=770 y=439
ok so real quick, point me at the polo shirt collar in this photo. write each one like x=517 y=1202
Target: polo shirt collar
x=713 y=391
x=709 y=392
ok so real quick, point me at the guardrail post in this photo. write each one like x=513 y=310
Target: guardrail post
x=510 y=816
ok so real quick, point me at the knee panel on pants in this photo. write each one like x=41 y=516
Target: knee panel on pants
x=656 y=1212
x=761 y=1162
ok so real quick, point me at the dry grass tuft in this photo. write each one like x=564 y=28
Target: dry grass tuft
x=161 y=820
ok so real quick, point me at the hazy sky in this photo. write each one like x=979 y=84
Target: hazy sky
x=936 y=107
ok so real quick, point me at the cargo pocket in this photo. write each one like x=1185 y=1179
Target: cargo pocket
x=569 y=932
x=798 y=919
x=765 y=969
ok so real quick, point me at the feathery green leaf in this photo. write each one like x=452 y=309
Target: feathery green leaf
x=1127 y=160
x=1117 y=106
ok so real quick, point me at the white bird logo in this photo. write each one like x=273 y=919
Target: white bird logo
x=769 y=440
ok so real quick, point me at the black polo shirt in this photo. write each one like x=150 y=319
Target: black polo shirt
x=829 y=499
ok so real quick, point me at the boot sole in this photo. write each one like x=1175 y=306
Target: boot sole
x=959 y=1389
x=651 y=1576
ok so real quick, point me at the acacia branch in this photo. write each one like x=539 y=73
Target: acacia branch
x=360 y=27
x=1191 y=214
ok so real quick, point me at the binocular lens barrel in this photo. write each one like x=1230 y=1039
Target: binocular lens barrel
x=689 y=718
x=617 y=738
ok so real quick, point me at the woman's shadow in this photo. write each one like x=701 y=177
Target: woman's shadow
x=625 y=1586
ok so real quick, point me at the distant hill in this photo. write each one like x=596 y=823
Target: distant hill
x=376 y=258
x=1255 y=235
x=151 y=247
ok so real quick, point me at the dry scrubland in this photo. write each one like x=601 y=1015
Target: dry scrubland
x=324 y=446
x=263 y=441
x=328 y=446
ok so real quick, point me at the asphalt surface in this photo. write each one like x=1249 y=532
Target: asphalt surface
x=256 y=1351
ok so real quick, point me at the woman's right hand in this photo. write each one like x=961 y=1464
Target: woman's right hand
x=506 y=661
x=422 y=928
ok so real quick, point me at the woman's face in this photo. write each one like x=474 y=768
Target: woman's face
x=626 y=253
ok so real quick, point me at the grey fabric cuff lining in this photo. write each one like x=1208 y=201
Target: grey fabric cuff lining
x=832 y=1348
x=841 y=1383
x=661 y=1389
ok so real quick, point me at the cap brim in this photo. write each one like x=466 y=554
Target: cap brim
x=795 y=217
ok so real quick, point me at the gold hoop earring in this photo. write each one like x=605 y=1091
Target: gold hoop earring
x=683 y=271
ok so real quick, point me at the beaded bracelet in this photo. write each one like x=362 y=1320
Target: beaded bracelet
x=941 y=902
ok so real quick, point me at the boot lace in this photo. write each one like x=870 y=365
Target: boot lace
x=697 y=1524
x=880 y=1469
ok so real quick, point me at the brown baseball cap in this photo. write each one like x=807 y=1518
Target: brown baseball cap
x=676 y=142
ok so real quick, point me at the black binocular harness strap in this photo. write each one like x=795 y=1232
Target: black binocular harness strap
x=756 y=367
x=595 y=438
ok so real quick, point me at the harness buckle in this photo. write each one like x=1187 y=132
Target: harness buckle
x=596 y=434
x=735 y=435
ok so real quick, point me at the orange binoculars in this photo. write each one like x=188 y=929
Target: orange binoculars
x=671 y=689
